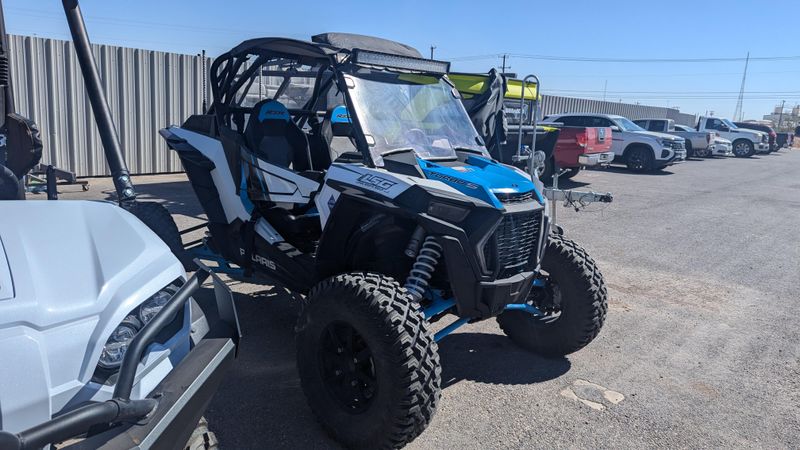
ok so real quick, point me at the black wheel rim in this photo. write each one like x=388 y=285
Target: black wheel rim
x=347 y=367
x=637 y=160
x=546 y=299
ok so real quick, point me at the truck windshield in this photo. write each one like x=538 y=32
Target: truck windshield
x=411 y=112
x=730 y=124
x=627 y=125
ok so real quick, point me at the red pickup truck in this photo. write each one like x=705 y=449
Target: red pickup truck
x=578 y=147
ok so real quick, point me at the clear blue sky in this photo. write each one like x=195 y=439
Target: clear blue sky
x=459 y=30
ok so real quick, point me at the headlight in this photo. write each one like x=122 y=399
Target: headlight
x=152 y=306
x=666 y=143
x=444 y=211
x=118 y=342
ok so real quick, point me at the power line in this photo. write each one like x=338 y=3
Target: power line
x=624 y=60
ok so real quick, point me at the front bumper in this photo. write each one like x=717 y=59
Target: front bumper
x=762 y=147
x=721 y=149
x=166 y=418
x=596 y=159
x=678 y=156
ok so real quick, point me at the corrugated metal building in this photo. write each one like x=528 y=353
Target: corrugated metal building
x=148 y=90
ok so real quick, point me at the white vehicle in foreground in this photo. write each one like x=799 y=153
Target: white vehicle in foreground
x=637 y=148
x=98 y=331
x=745 y=142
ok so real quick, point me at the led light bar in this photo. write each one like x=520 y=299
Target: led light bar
x=370 y=58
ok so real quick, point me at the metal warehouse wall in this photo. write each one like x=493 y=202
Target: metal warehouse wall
x=146 y=90
x=556 y=105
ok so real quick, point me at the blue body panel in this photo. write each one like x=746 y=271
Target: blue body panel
x=480 y=178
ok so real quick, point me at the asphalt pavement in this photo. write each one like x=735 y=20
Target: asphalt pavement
x=700 y=349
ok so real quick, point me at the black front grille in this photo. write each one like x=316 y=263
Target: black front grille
x=513 y=243
x=515 y=197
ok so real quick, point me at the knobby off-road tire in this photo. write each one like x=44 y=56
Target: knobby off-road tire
x=202 y=438
x=158 y=219
x=362 y=330
x=584 y=302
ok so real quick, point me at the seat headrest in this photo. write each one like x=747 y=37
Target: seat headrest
x=271 y=117
x=341 y=124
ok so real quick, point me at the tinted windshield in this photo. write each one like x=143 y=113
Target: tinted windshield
x=730 y=124
x=627 y=125
x=416 y=112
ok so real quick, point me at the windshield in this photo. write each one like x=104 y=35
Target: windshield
x=627 y=125
x=411 y=112
x=730 y=124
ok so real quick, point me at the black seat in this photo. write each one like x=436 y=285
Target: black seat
x=337 y=131
x=273 y=136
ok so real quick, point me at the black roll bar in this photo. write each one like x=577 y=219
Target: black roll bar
x=97 y=97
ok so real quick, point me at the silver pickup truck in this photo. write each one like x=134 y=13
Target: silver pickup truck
x=697 y=142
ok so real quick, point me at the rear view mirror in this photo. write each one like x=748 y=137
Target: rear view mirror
x=614 y=128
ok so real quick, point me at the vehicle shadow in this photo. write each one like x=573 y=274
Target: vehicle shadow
x=494 y=359
x=568 y=183
x=260 y=403
x=626 y=171
x=177 y=196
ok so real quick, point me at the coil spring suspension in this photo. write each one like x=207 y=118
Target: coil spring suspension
x=422 y=270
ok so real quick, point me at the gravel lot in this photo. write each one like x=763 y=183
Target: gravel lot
x=701 y=347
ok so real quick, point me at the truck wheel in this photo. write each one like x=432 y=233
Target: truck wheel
x=743 y=148
x=202 y=438
x=701 y=152
x=158 y=219
x=640 y=159
x=368 y=364
x=549 y=170
x=574 y=301
x=689 y=149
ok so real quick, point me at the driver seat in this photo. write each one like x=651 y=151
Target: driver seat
x=273 y=136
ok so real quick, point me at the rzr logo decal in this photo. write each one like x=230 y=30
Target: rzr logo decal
x=454 y=180
x=376 y=182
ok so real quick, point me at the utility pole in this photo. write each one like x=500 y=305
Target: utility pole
x=780 y=117
x=738 y=110
x=504 y=67
x=203 y=80
x=433 y=47
x=605 y=85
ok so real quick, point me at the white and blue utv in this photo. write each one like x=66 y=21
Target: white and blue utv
x=347 y=170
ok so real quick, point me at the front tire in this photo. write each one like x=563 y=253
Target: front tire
x=640 y=159
x=574 y=301
x=368 y=364
x=689 y=150
x=743 y=148
x=158 y=219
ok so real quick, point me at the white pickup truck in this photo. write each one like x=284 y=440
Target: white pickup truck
x=745 y=142
x=697 y=142
x=637 y=148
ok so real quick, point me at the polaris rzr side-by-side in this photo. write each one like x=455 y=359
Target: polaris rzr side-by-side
x=347 y=170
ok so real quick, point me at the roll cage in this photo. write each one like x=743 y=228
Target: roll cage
x=322 y=62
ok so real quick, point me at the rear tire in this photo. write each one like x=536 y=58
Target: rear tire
x=158 y=219
x=549 y=169
x=640 y=159
x=743 y=148
x=202 y=438
x=575 y=302
x=701 y=153
x=368 y=364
